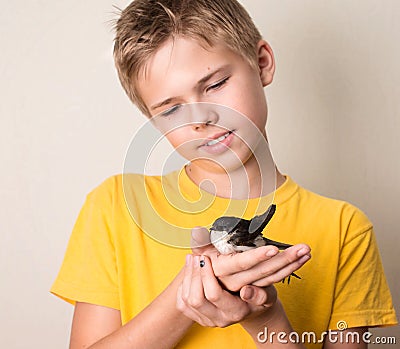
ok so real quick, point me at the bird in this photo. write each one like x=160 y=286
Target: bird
x=230 y=235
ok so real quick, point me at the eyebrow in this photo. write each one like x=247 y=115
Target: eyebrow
x=202 y=81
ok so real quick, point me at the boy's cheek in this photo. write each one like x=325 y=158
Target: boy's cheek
x=184 y=146
x=177 y=137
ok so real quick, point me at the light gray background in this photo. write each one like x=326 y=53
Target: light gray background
x=334 y=125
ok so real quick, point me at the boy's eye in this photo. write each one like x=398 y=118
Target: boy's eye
x=217 y=85
x=171 y=110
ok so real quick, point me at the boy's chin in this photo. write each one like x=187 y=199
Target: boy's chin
x=226 y=163
x=216 y=166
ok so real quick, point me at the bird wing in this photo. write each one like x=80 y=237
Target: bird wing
x=258 y=223
x=280 y=245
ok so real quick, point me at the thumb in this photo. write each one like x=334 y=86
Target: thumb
x=255 y=295
x=200 y=240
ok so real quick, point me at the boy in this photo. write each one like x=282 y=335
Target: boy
x=197 y=69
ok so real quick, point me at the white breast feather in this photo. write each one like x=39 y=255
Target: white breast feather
x=220 y=240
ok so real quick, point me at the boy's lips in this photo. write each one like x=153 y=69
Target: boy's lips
x=218 y=142
x=219 y=137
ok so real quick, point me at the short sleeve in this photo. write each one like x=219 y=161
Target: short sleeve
x=362 y=296
x=88 y=272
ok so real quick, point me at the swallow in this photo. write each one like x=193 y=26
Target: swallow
x=234 y=234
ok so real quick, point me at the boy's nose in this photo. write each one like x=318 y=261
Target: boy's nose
x=203 y=115
x=200 y=125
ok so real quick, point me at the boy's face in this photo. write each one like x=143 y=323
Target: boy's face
x=232 y=105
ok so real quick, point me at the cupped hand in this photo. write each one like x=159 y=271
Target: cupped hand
x=262 y=266
x=201 y=298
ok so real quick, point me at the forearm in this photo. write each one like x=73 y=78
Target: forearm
x=272 y=329
x=159 y=325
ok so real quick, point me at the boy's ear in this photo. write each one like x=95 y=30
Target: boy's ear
x=266 y=62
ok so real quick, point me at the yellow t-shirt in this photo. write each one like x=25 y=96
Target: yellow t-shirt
x=110 y=261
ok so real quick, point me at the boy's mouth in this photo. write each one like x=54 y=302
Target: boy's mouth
x=217 y=139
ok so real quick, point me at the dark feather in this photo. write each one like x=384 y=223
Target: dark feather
x=258 y=223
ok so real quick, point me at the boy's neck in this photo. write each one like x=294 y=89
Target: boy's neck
x=252 y=180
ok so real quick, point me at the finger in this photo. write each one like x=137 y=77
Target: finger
x=239 y=262
x=281 y=260
x=264 y=273
x=193 y=302
x=290 y=255
x=197 y=301
x=212 y=289
x=253 y=295
x=200 y=240
x=279 y=275
x=189 y=312
x=257 y=296
x=196 y=298
x=187 y=277
x=215 y=294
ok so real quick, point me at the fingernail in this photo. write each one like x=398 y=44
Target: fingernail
x=202 y=262
x=196 y=261
x=271 y=253
x=302 y=252
x=248 y=293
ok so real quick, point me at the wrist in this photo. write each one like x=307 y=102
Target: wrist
x=273 y=321
x=274 y=318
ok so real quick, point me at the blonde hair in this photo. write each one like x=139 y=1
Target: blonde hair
x=146 y=24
